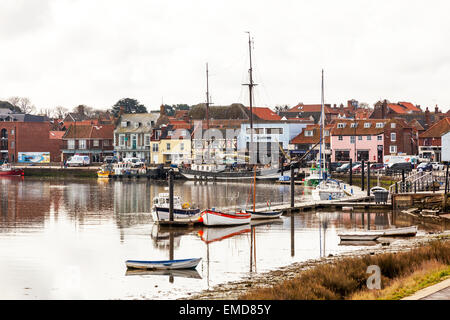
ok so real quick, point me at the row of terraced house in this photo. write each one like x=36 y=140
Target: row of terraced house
x=352 y=131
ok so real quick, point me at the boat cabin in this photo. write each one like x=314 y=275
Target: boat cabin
x=162 y=200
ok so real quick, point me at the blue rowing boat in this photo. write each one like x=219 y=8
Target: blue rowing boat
x=164 y=264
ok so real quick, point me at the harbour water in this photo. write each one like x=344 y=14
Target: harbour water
x=69 y=239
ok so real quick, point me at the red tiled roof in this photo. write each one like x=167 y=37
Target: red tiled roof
x=264 y=113
x=315 y=128
x=90 y=132
x=409 y=106
x=397 y=108
x=180 y=124
x=312 y=108
x=437 y=129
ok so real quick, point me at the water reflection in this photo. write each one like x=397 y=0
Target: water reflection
x=88 y=229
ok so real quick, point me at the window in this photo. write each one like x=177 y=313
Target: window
x=353 y=125
x=367 y=125
x=274 y=131
x=352 y=139
x=82 y=144
x=379 y=138
x=155 y=147
x=393 y=149
x=12 y=132
x=96 y=143
x=341 y=125
x=369 y=138
x=122 y=140
x=136 y=125
x=147 y=140
x=340 y=138
x=308 y=133
x=106 y=143
x=379 y=125
x=393 y=125
x=393 y=136
x=168 y=146
x=360 y=138
x=124 y=124
x=182 y=146
x=71 y=144
x=12 y=144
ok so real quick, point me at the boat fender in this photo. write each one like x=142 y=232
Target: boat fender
x=185 y=205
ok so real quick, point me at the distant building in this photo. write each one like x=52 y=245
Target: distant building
x=90 y=140
x=430 y=141
x=132 y=135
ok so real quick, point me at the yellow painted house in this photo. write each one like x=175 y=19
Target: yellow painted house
x=170 y=149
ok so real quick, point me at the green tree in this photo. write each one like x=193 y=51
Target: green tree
x=129 y=105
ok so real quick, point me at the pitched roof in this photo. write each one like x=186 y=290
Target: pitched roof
x=301 y=138
x=137 y=122
x=56 y=135
x=312 y=108
x=264 y=113
x=410 y=106
x=437 y=130
x=89 y=132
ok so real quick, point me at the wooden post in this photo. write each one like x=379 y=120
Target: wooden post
x=292 y=187
x=403 y=181
x=362 y=175
x=446 y=180
x=351 y=173
x=368 y=178
x=171 y=195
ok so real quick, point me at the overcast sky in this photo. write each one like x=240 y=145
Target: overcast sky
x=70 y=52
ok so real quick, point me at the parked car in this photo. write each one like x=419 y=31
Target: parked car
x=399 y=167
x=110 y=159
x=437 y=166
x=376 y=167
x=425 y=166
x=78 y=161
x=343 y=168
x=334 y=166
x=135 y=162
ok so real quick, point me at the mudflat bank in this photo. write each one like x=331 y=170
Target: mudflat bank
x=233 y=290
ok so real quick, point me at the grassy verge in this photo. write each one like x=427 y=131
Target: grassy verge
x=429 y=273
x=346 y=277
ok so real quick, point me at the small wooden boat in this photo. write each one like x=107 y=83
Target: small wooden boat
x=217 y=218
x=7 y=170
x=164 y=264
x=400 y=232
x=361 y=235
x=265 y=214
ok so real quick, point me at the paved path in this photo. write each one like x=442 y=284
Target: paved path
x=439 y=291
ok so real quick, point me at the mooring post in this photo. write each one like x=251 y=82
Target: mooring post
x=368 y=178
x=362 y=175
x=351 y=173
x=446 y=180
x=403 y=181
x=171 y=195
x=292 y=187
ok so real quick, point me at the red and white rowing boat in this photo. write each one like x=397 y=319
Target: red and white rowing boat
x=217 y=218
x=7 y=170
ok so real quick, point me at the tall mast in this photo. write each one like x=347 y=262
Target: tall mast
x=322 y=136
x=250 y=85
x=207 y=97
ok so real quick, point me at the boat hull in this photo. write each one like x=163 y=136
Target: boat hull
x=265 y=214
x=12 y=172
x=163 y=265
x=405 y=232
x=216 y=218
x=162 y=214
x=361 y=236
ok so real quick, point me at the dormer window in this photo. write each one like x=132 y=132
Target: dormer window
x=124 y=124
x=136 y=125
x=353 y=125
x=308 y=133
x=379 y=125
x=367 y=125
x=341 y=125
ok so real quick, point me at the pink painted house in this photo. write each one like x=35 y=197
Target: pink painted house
x=358 y=140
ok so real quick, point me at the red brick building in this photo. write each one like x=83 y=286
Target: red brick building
x=17 y=137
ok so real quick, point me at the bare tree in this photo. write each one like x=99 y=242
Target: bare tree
x=61 y=112
x=23 y=103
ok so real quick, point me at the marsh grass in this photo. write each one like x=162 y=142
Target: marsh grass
x=343 y=278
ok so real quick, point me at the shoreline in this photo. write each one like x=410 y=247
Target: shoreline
x=233 y=290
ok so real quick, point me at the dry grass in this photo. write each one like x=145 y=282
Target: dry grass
x=343 y=278
x=429 y=273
